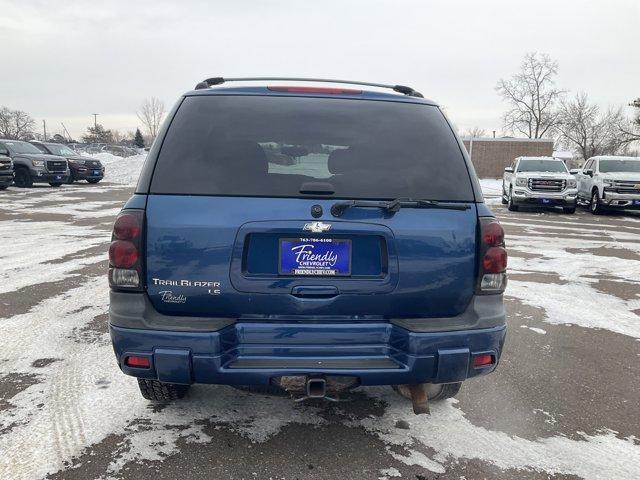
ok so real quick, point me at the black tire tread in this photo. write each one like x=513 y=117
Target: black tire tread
x=161 y=392
x=28 y=181
x=449 y=390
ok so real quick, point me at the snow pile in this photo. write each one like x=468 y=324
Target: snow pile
x=491 y=187
x=119 y=169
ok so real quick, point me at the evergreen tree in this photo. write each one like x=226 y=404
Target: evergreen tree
x=98 y=134
x=138 y=139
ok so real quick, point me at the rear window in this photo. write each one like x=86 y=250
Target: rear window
x=277 y=146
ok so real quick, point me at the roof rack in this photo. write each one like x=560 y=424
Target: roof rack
x=209 y=82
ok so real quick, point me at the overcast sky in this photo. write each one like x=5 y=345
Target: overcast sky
x=64 y=60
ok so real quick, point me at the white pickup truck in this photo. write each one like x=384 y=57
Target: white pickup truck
x=608 y=182
x=539 y=181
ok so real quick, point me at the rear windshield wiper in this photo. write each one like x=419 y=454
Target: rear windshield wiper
x=337 y=209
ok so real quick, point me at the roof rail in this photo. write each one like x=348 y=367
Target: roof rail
x=209 y=82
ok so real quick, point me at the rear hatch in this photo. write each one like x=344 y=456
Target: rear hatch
x=240 y=224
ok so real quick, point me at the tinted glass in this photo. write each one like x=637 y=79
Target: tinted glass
x=607 y=166
x=60 y=149
x=21 y=147
x=542 y=166
x=42 y=148
x=273 y=146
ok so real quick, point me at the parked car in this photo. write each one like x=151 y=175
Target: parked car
x=541 y=182
x=82 y=168
x=6 y=168
x=608 y=182
x=94 y=147
x=32 y=166
x=375 y=262
x=118 y=150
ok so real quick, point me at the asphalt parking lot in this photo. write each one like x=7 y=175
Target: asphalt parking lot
x=564 y=402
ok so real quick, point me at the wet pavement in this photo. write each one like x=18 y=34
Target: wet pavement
x=563 y=403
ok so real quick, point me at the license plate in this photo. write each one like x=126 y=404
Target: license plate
x=315 y=256
x=636 y=202
x=96 y=172
x=545 y=201
x=58 y=177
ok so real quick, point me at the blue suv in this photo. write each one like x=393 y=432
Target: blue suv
x=309 y=240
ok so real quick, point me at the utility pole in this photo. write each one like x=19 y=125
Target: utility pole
x=67 y=131
x=44 y=127
x=95 y=120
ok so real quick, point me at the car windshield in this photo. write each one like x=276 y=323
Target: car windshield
x=61 y=150
x=22 y=147
x=534 y=165
x=293 y=146
x=620 y=165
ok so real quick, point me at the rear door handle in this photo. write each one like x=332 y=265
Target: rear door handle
x=315 y=291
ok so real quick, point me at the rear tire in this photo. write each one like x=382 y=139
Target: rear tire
x=503 y=199
x=55 y=185
x=22 y=178
x=4 y=187
x=435 y=392
x=92 y=180
x=569 y=210
x=161 y=392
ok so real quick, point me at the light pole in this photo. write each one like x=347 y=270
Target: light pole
x=95 y=120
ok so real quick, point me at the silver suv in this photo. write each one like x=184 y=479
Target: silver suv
x=539 y=181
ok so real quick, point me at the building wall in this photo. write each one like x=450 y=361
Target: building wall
x=490 y=156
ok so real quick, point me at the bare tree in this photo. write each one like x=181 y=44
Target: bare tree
x=532 y=97
x=585 y=128
x=475 y=132
x=16 y=124
x=151 y=114
x=632 y=129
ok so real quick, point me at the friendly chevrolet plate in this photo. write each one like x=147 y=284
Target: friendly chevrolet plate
x=315 y=256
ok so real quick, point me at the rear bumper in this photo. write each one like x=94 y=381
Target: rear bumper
x=253 y=353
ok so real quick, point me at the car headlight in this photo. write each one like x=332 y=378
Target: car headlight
x=607 y=182
x=521 y=182
x=37 y=163
x=572 y=183
x=77 y=162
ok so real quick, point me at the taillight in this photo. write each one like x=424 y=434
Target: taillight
x=482 y=360
x=123 y=254
x=493 y=257
x=127 y=226
x=137 y=362
x=125 y=251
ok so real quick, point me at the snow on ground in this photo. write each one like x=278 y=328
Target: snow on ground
x=78 y=399
x=492 y=190
x=38 y=251
x=577 y=300
x=80 y=396
x=121 y=170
